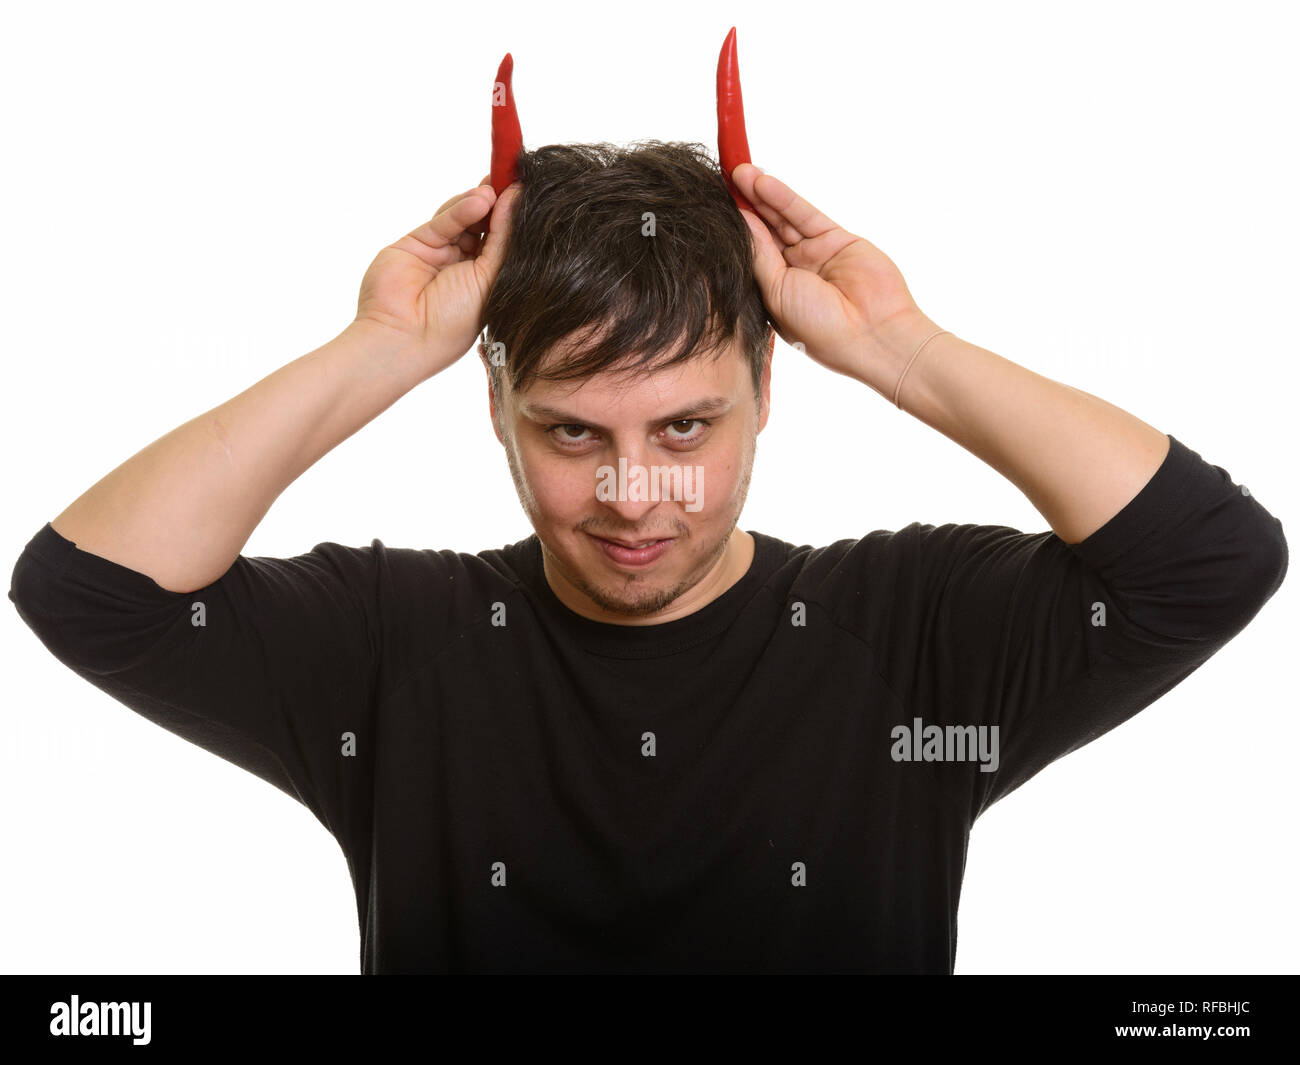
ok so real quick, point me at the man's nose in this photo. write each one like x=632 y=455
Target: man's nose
x=630 y=489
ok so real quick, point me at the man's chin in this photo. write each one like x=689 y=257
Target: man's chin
x=635 y=591
x=637 y=599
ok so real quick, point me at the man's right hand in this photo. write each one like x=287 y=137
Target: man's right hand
x=430 y=287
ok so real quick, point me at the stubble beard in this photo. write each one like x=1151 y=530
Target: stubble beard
x=631 y=599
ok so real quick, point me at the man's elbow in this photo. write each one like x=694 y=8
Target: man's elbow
x=1266 y=564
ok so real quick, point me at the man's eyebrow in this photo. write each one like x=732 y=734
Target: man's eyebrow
x=708 y=405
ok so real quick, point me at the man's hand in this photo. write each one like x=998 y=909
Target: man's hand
x=429 y=288
x=181 y=510
x=835 y=293
x=1078 y=459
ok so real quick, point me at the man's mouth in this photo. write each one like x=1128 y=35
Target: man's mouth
x=632 y=552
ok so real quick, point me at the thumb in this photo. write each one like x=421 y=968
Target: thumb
x=498 y=234
x=769 y=264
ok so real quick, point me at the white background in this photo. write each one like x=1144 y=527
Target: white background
x=1102 y=192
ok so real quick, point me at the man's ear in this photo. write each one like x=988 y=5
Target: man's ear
x=492 y=406
x=765 y=384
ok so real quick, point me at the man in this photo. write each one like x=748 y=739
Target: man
x=644 y=739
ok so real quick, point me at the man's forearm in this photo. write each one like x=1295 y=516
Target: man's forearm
x=1077 y=458
x=181 y=510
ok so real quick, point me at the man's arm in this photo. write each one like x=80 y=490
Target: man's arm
x=1077 y=458
x=274 y=664
x=181 y=510
x=1158 y=558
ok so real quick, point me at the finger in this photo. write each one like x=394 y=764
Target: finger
x=459 y=196
x=436 y=242
x=769 y=263
x=494 y=246
x=471 y=242
x=810 y=239
x=785 y=236
x=793 y=208
x=745 y=174
x=744 y=177
x=793 y=217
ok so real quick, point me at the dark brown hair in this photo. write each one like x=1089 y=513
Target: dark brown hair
x=577 y=263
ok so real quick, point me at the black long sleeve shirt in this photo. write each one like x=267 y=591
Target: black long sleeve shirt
x=773 y=783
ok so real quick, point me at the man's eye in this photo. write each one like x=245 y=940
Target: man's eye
x=682 y=431
x=686 y=423
x=572 y=434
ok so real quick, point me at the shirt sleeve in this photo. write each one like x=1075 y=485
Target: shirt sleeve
x=1056 y=644
x=272 y=667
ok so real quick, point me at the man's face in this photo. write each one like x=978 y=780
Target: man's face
x=613 y=462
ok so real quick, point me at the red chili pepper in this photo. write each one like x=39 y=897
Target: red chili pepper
x=507 y=141
x=733 y=145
